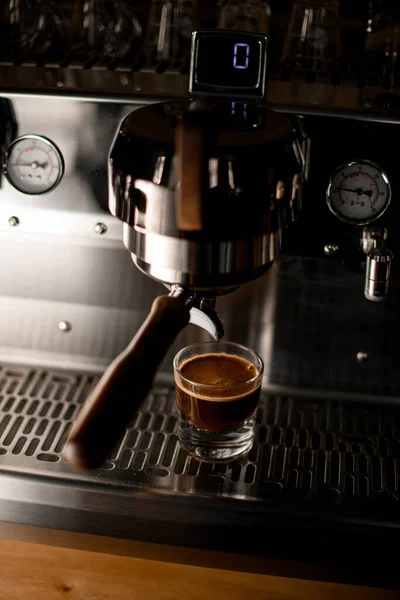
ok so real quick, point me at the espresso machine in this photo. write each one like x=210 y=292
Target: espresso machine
x=227 y=200
x=204 y=189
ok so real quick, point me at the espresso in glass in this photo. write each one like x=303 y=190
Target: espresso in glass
x=217 y=391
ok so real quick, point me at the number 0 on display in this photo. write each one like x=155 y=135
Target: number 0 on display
x=241 y=57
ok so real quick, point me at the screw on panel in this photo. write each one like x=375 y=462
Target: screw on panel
x=100 y=228
x=331 y=249
x=13 y=221
x=362 y=357
x=64 y=326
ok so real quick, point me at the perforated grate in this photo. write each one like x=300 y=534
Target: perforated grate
x=305 y=451
x=36 y=410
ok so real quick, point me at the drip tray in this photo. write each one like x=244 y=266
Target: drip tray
x=321 y=483
x=304 y=449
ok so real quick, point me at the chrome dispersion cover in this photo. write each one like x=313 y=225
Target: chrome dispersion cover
x=250 y=169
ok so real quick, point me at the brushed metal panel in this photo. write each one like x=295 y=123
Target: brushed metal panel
x=83 y=130
x=306 y=317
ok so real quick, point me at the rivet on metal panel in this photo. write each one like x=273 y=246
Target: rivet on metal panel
x=362 y=358
x=100 y=228
x=331 y=249
x=64 y=326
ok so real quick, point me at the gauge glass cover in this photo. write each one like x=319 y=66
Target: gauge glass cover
x=33 y=164
x=359 y=192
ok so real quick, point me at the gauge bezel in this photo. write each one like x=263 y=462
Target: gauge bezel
x=51 y=145
x=345 y=165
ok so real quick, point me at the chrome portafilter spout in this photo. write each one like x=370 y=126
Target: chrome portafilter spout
x=202 y=311
x=206 y=317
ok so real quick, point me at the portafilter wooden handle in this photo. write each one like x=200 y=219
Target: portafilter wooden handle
x=124 y=385
x=189 y=141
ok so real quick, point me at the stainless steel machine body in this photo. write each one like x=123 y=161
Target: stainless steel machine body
x=70 y=300
x=66 y=263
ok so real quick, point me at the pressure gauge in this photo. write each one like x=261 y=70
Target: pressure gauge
x=359 y=192
x=33 y=164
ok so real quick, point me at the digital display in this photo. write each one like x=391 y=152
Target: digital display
x=231 y=60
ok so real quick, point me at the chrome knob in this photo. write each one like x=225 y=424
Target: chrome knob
x=377 y=274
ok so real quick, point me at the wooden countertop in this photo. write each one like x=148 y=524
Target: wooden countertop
x=38 y=563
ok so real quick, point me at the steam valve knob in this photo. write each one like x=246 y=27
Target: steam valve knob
x=377 y=275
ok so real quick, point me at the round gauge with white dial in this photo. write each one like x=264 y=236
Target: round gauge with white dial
x=33 y=164
x=359 y=192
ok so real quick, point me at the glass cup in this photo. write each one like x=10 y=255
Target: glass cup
x=33 y=28
x=123 y=30
x=245 y=15
x=313 y=37
x=218 y=387
x=382 y=44
x=170 y=27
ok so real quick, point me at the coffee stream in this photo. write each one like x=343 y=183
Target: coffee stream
x=221 y=408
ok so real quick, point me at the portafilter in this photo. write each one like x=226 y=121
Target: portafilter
x=204 y=188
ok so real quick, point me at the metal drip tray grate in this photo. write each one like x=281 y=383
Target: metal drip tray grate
x=307 y=452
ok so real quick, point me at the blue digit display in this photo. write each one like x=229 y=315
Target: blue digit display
x=229 y=59
x=241 y=53
x=239 y=109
